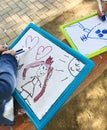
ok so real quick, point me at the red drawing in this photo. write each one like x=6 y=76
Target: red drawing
x=49 y=72
x=43 y=51
x=44 y=69
x=31 y=42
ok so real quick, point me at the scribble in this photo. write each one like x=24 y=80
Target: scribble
x=83 y=38
x=62 y=60
x=95 y=32
x=60 y=70
x=20 y=66
x=66 y=56
x=74 y=67
x=100 y=33
x=64 y=79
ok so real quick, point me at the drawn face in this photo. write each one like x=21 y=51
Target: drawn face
x=74 y=67
x=42 y=70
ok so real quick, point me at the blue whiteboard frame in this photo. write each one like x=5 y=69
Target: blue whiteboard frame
x=89 y=64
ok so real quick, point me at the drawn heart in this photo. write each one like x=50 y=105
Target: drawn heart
x=31 y=42
x=43 y=51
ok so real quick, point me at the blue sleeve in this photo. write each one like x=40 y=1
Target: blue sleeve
x=8 y=74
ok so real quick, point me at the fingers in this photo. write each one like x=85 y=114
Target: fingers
x=12 y=52
x=104 y=10
x=2 y=48
x=104 y=7
x=99 y=13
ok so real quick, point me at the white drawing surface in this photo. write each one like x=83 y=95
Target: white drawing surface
x=89 y=35
x=44 y=72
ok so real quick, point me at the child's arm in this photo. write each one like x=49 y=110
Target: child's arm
x=8 y=73
x=104 y=9
x=105 y=6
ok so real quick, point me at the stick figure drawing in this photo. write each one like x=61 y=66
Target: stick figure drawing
x=44 y=69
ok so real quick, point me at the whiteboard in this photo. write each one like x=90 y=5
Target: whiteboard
x=87 y=35
x=48 y=73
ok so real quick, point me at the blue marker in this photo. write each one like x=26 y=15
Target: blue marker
x=20 y=51
x=103 y=18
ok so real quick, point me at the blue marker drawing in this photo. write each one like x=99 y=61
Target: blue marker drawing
x=87 y=36
x=89 y=32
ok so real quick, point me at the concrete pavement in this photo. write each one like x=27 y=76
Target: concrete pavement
x=16 y=14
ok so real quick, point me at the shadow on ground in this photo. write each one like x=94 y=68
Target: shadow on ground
x=87 y=110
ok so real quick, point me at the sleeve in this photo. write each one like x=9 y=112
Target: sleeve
x=8 y=74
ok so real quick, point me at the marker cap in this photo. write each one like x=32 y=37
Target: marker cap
x=103 y=18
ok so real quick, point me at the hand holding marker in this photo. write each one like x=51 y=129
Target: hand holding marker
x=19 y=51
x=103 y=18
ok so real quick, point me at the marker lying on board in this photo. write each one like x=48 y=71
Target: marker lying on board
x=103 y=18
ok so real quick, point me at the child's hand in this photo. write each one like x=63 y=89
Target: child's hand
x=104 y=10
x=12 y=52
x=2 y=48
